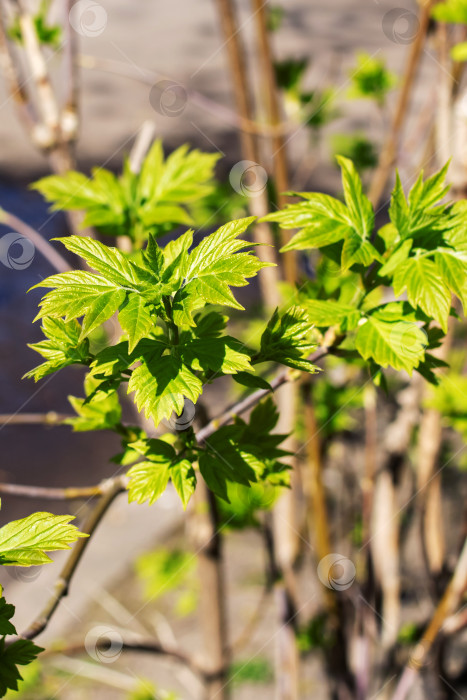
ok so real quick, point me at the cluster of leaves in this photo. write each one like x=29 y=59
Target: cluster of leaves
x=371 y=79
x=154 y=200
x=26 y=542
x=453 y=12
x=422 y=252
x=315 y=108
x=173 y=343
x=47 y=34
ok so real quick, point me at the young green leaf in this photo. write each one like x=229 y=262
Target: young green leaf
x=213 y=267
x=391 y=340
x=286 y=340
x=184 y=479
x=6 y=613
x=225 y=355
x=25 y=542
x=135 y=319
x=63 y=347
x=330 y=313
x=101 y=409
x=155 y=200
x=425 y=288
x=161 y=385
x=20 y=653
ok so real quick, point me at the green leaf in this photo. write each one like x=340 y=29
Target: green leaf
x=70 y=191
x=253 y=381
x=331 y=313
x=62 y=348
x=358 y=205
x=371 y=79
x=101 y=409
x=213 y=267
x=79 y=294
x=244 y=452
x=452 y=266
x=264 y=416
x=148 y=481
x=185 y=176
x=20 y=653
x=110 y=262
x=389 y=339
x=135 y=319
x=286 y=340
x=420 y=215
x=25 y=542
x=323 y=220
x=399 y=255
x=160 y=196
x=161 y=385
x=425 y=288
x=223 y=354
x=184 y=479
x=6 y=613
x=452 y=11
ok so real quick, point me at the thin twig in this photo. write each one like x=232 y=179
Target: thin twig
x=389 y=150
x=445 y=608
x=47 y=103
x=115 y=487
x=142 y=145
x=58 y=494
x=149 y=77
x=258 y=204
x=135 y=643
x=279 y=155
x=49 y=418
x=69 y=119
x=11 y=71
x=203 y=434
x=284 y=376
x=41 y=244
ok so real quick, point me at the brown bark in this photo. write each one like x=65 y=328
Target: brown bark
x=258 y=204
x=213 y=614
x=389 y=150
